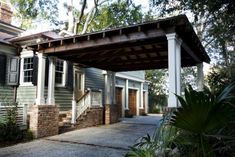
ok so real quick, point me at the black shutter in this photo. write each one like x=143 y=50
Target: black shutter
x=46 y=72
x=13 y=71
x=35 y=70
x=2 y=69
x=69 y=80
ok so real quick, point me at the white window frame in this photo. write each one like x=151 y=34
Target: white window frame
x=64 y=74
x=24 y=54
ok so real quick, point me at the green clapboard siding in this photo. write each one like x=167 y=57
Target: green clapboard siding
x=6 y=93
x=136 y=74
x=120 y=81
x=94 y=78
x=63 y=98
x=26 y=95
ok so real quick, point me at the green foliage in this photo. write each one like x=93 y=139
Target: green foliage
x=9 y=131
x=213 y=21
x=160 y=144
x=27 y=135
x=203 y=118
x=202 y=127
x=119 y=13
x=29 y=10
x=219 y=77
x=157 y=78
x=157 y=102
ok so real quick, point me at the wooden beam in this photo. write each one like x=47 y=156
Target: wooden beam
x=112 y=40
x=143 y=66
x=119 y=61
x=190 y=52
x=112 y=54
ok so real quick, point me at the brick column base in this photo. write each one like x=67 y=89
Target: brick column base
x=44 y=120
x=111 y=114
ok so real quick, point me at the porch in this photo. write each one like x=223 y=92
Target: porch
x=166 y=43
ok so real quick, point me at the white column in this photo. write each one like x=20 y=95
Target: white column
x=74 y=111
x=108 y=97
x=40 y=100
x=113 y=88
x=51 y=82
x=141 y=95
x=200 y=77
x=178 y=66
x=127 y=94
x=146 y=101
x=174 y=68
x=138 y=103
x=74 y=102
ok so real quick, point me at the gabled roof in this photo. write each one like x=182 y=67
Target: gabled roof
x=47 y=35
x=136 y=47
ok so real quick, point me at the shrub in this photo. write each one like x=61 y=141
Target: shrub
x=9 y=129
x=202 y=127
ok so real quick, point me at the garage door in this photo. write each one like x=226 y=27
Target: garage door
x=119 y=100
x=132 y=101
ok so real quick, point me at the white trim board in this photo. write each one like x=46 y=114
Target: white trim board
x=130 y=77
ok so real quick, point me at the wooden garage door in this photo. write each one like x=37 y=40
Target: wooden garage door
x=132 y=102
x=119 y=100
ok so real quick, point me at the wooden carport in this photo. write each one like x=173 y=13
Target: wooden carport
x=166 y=43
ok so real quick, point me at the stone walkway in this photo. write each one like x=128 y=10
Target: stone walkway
x=102 y=141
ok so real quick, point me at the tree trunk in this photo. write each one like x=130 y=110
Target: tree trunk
x=70 y=16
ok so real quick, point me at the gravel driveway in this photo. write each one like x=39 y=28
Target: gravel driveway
x=102 y=141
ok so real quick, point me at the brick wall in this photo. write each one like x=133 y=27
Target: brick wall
x=5 y=12
x=93 y=117
x=44 y=120
x=111 y=114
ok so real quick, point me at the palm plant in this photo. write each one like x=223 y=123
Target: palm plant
x=161 y=144
x=206 y=122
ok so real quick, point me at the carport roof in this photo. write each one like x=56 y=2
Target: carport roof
x=136 y=47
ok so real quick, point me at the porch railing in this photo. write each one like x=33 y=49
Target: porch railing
x=89 y=99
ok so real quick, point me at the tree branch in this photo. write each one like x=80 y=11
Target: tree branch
x=77 y=23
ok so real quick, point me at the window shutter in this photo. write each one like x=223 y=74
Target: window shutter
x=35 y=70
x=13 y=71
x=46 y=72
x=2 y=69
x=69 y=80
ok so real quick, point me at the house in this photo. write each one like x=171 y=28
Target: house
x=77 y=85
x=72 y=83
x=8 y=62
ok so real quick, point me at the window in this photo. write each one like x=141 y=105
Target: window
x=28 y=69
x=60 y=72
